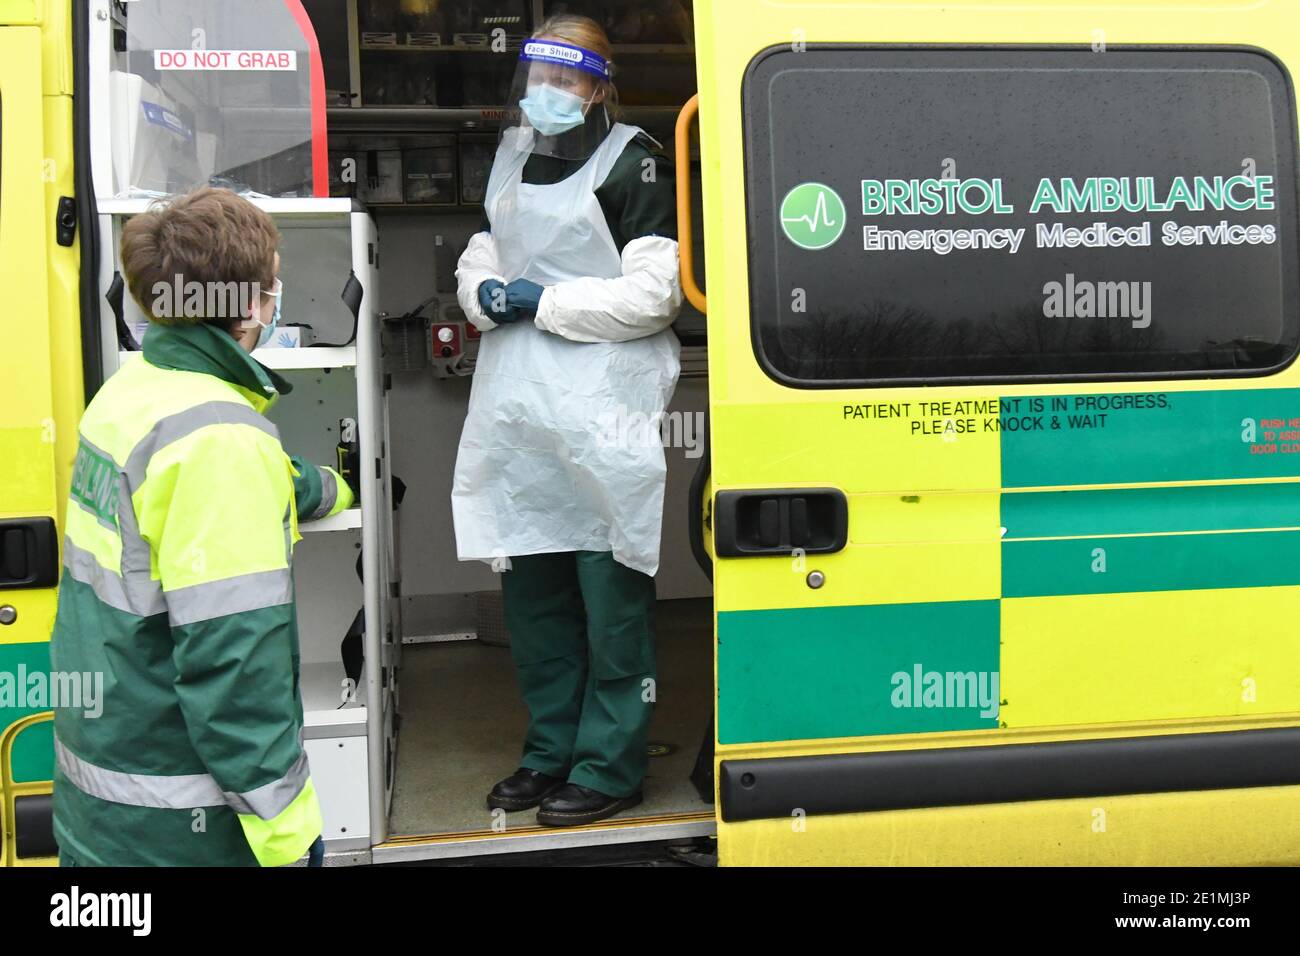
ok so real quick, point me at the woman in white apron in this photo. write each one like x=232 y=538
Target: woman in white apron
x=560 y=473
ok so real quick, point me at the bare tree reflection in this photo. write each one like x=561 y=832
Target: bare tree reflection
x=891 y=339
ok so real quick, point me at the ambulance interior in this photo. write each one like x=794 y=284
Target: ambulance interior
x=413 y=92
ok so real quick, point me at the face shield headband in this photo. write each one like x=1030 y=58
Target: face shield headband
x=565 y=54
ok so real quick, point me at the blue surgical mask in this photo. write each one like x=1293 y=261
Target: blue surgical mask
x=551 y=110
x=264 y=336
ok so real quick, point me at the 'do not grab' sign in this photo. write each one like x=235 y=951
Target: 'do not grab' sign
x=225 y=59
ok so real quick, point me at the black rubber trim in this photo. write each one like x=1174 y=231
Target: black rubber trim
x=695 y=506
x=114 y=298
x=34 y=826
x=65 y=221
x=92 y=345
x=351 y=295
x=776 y=787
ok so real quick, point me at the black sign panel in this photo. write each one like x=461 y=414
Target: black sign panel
x=1003 y=214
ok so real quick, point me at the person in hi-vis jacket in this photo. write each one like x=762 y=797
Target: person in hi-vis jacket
x=177 y=581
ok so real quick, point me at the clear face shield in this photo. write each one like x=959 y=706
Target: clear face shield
x=558 y=100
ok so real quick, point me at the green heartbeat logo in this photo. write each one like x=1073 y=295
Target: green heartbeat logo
x=812 y=216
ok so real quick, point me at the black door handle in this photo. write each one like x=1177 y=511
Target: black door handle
x=779 y=521
x=29 y=553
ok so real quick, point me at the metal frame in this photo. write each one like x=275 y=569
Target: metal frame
x=11 y=790
x=375 y=509
x=99 y=35
x=486 y=843
x=354 y=54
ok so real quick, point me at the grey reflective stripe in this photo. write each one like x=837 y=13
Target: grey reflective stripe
x=244 y=592
x=133 y=594
x=269 y=801
x=181 y=791
x=329 y=492
x=137 y=559
x=95 y=448
x=174 y=427
x=131 y=587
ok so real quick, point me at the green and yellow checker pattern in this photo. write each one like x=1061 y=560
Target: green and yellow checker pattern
x=1149 y=568
x=1146 y=581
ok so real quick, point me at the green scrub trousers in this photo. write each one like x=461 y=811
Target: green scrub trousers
x=582 y=637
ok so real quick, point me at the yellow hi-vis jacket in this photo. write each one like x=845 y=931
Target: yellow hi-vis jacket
x=177 y=587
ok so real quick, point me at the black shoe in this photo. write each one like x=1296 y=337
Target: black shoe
x=574 y=804
x=522 y=789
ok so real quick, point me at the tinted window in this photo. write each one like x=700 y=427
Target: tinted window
x=923 y=167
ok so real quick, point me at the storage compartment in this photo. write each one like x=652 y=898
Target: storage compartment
x=420 y=170
x=458 y=75
x=338 y=769
x=430 y=172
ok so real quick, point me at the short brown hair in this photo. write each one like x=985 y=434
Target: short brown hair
x=209 y=236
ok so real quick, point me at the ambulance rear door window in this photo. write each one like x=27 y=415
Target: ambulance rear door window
x=922 y=215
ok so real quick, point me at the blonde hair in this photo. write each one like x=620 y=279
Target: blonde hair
x=588 y=34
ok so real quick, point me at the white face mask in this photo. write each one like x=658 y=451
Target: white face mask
x=551 y=110
x=264 y=336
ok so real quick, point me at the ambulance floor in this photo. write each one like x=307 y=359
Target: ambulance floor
x=463 y=724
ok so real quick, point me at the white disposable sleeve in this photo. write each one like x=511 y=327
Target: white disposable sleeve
x=642 y=301
x=477 y=264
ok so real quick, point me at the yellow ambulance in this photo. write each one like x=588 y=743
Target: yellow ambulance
x=1003 y=303
x=1001 y=503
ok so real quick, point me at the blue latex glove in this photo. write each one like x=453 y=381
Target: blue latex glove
x=524 y=295
x=494 y=300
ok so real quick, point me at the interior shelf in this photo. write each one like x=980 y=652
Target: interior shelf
x=322 y=689
x=344 y=356
x=283 y=207
x=346 y=520
x=426 y=119
x=325 y=356
x=635 y=49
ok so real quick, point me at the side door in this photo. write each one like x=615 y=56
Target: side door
x=1003 y=414
x=40 y=399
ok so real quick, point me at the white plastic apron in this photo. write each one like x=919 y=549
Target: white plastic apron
x=561 y=449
